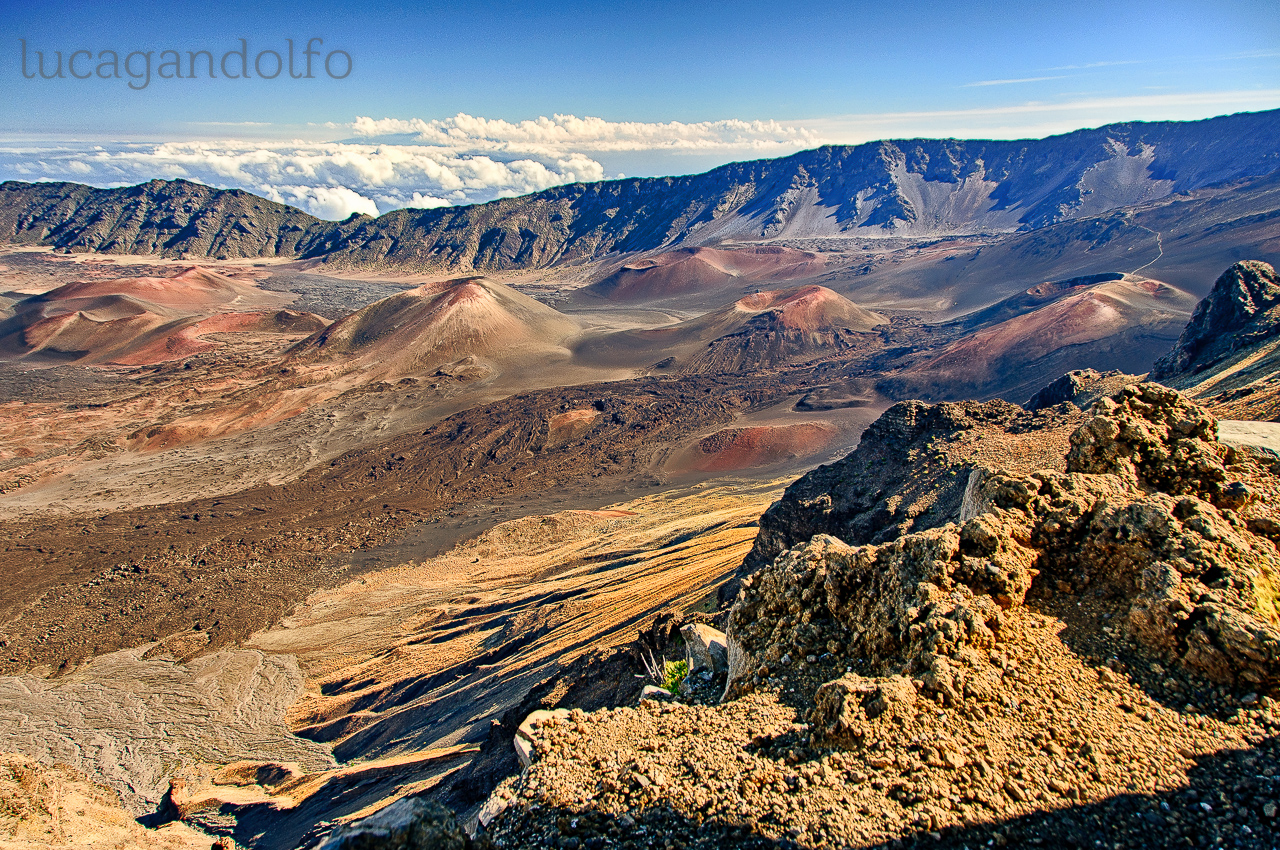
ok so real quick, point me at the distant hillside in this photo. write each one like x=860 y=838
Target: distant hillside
x=1023 y=342
x=911 y=188
x=143 y=320
x=175 y=218
x=918 y=187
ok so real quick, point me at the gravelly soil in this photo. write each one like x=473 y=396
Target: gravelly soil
x=1076 y=751
x=81 y=586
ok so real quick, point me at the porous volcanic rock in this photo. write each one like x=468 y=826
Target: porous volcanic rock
x=1152 y=510
x=1080 y=387
x=908 y=473
x=406 y=824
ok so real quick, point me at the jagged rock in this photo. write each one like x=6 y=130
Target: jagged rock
x=524 y=751
x=408 y=824
x=971 y=503
x=705 y=648
x=526 y=735
x=1143 y=515
x=494 y=806
x=896 y=606
x=1236 y=314
x=1081 y=388
x=1200 y=584
x=849 y=710
x=894 y=482
x=1154 y=437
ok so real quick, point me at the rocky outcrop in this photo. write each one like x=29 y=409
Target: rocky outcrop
x=908 y=473
x=1238 y=313
x=1152 y=511
x=1081 y=388
x=1036 y=673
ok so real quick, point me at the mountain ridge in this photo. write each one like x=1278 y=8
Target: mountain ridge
x=912 y=187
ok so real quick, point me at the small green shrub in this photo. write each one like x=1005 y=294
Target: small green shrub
x=674 y=673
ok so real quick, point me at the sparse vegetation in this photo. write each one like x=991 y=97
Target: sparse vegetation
x=666 y=674
x=673 y=674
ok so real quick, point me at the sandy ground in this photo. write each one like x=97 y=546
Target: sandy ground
x=55 y=808
x=1264 y=435
x=131 y=721
x=404 y=661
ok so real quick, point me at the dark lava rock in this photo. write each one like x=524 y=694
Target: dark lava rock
x=896 y=481
x=408 y=824
x=1237 y=313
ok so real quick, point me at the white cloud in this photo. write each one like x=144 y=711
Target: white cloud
x=1014 y=82
x=328 y=179
x=562 y=134
x=459 y=160
x=331 y=202
x=420 y=201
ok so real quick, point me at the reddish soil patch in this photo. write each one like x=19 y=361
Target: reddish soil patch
x=188 y=340
x=743 y=448
x=809 y=308
x=572 y=423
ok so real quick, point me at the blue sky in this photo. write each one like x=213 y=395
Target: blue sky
x=432 y=110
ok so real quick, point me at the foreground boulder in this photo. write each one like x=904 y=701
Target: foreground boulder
x=852 y=709
x=706 y=649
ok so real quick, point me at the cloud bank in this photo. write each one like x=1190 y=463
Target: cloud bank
x=390 y=163
x=563 y=133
